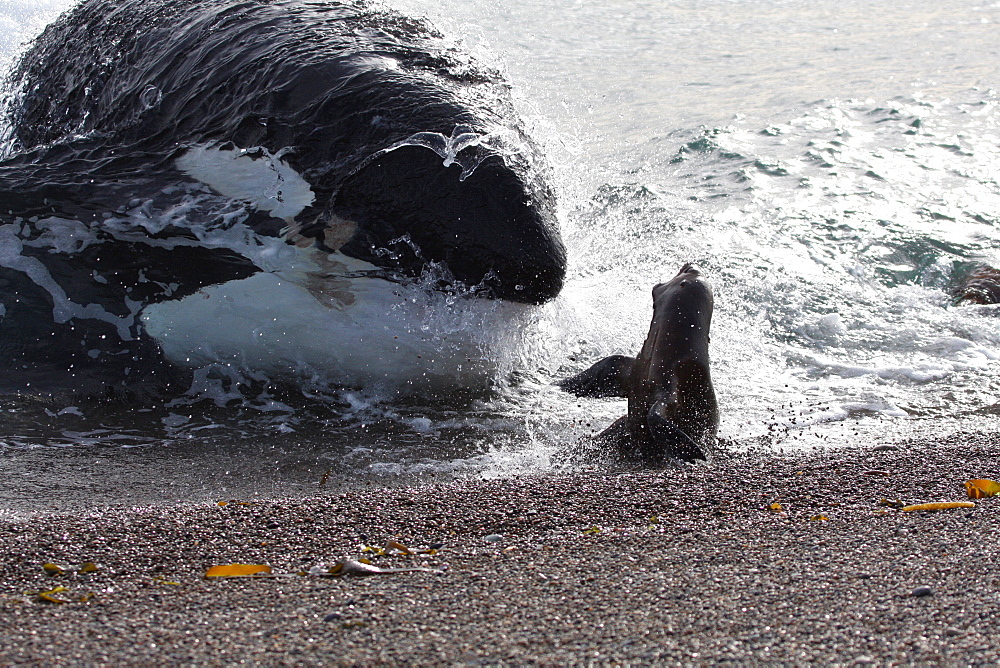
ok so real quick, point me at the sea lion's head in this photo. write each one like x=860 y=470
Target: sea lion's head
x=685 y=301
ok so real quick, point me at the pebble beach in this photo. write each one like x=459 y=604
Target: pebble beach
x=756 y=558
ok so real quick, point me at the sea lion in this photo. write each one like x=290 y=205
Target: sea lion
x=157 y=147
x=672 y=411
x=981 y=286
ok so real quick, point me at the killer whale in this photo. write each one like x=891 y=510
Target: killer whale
x=672 y=409
x=192 y=143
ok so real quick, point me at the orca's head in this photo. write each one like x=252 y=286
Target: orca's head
x=492 y=230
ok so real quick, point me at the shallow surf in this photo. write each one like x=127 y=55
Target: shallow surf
x=832 y=167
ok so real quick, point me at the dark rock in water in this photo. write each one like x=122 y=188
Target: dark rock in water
x=981 y=286
x=140 y=126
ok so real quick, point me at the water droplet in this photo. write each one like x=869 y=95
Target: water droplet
x=150 y=97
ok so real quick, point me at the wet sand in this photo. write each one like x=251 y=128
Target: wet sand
x=689 y=566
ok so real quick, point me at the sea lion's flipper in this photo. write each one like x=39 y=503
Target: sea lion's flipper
x=607 y=378
x=617 y=434
x=668 y=438
x=616 y=442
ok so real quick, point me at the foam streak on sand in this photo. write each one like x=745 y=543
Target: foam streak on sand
x=753 y=559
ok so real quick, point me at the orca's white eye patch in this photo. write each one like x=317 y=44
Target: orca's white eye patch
x=253 y=175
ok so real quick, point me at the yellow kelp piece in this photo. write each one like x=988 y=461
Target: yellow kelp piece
x=237 y=570
x=979 y=488
x=50 y=595
x=940 y=506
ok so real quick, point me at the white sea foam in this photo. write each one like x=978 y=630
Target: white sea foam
x=21 y=20
x=61 y=236
x=63 y=308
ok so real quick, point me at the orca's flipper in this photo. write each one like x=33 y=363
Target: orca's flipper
x=607 y=378
x=669 y=440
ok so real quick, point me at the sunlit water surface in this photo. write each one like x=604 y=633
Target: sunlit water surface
x=832 y=166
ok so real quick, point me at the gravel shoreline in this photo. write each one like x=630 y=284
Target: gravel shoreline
x=639 y=567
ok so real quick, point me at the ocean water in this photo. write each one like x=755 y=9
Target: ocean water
x=833 y=168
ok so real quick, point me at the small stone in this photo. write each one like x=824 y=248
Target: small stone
x=333 y=617
x=952 y=632
x=493 y=538
x=922 y=590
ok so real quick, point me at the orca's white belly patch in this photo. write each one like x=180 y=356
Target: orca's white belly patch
x=351 y=331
